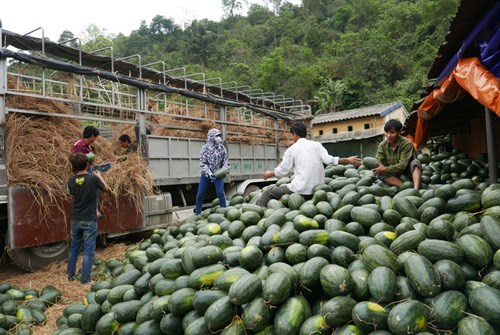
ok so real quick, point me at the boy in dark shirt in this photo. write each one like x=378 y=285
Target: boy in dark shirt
x=83 y=188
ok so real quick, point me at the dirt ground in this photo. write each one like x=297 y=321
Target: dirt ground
x=55 y=275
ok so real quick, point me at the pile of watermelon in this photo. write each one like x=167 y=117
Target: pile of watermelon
x=358 y=258
x=20 y=308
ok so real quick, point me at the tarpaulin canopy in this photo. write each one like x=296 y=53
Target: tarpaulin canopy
x=472 y=71
x=482 y=42
x=469 y=77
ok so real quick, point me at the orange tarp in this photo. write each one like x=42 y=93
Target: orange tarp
x=469 y=76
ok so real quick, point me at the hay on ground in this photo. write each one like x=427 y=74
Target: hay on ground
x=55 y=275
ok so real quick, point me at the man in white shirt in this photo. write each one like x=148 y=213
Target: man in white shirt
x=305 y=159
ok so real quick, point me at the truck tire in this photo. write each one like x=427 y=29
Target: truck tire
x=34 y=258
x=250 y=188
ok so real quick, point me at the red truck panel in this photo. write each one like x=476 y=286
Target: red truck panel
x=30 y=226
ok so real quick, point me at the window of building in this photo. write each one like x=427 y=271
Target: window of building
x=321 y=132
x=367 y=126
x=349 y=128
x=334 y=130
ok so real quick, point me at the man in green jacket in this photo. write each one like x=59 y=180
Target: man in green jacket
x=396 y=157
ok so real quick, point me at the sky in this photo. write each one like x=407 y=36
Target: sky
x=112 y=16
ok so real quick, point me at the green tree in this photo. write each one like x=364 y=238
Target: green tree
x=273 y=71
x=274 y=5
x=329 y=96
x=355 y=94
x=95 y=38
x=258 y=14
x=230 y=6
x=68 y=39
x=200 y=37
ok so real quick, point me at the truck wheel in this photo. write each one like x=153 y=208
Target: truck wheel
x=250 y=188
x=35 y=258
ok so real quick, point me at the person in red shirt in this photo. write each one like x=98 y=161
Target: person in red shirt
x=90 y=134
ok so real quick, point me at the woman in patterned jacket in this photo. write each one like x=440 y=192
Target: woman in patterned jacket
x=213 y=156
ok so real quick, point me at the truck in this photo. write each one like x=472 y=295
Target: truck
x=96 y=87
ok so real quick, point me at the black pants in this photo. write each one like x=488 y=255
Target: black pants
x=138 y=132
x=273 y=192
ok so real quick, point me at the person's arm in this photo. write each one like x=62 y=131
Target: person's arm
x=329 y=159
x=268 y=174
x=382 y=158
x=204 y=167
x=103 y=185
x=354 y=160
x=326 y=157
x=283 y=169
x=286 y=165
x=155 y=118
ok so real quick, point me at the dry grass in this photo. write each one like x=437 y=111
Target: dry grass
x=55 y=275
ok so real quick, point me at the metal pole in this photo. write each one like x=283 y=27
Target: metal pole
x=141 y=121
x=222 y=114
x=490 y=145
x=3 y=123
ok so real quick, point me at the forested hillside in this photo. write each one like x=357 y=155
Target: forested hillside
x=332 y=54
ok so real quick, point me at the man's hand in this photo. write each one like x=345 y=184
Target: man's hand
x=268 y=174
x=212 y=178
x=379 y=169
x=354 y=160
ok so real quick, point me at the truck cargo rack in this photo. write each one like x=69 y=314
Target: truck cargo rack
x=34 y=50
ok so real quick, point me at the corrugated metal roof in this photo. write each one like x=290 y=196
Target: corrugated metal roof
x=381 y=110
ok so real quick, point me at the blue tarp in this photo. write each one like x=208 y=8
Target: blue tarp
x=483 y=42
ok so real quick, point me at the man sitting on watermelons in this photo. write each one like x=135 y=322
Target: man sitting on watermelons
x=396 y=157
x=305 y=159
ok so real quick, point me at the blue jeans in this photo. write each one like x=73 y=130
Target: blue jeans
x=202 y=191
x=82 y=232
